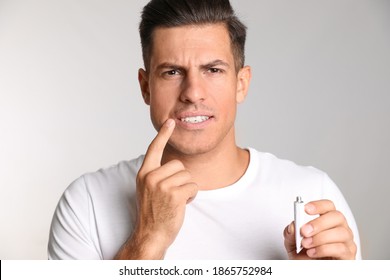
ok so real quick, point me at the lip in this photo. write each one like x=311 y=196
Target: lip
x=188 y=114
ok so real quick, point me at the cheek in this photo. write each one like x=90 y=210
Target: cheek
x=163 y=93
x=226 y=90
x=227 y=106
x=226 y=99
x=158 y=108
x=161 y=105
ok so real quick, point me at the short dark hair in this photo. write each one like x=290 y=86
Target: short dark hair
x=175 y=13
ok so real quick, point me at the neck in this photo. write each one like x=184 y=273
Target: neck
x=217 y=168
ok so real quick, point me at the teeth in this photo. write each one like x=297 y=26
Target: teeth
x=196 y=119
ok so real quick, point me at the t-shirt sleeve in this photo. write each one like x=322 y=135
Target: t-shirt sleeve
x=72 y=234
x=332 y=192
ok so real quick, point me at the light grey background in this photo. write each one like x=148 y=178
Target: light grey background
x=70 y=102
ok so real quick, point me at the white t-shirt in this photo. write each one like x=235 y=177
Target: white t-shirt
x=97 y=212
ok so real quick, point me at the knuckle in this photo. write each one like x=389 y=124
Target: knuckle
x=328 y=201
x=139 y=179
x=345 y=234
x=350 y=233
x=150 y=180
x=164 y=186
x=190 y=187
x=347 y=251
x=140 y=174
x=338 y=213
x=186 y=175
x=179 y=196
x=342 y=249
x=177 y=164
x=339 y=216
x=195 y=186
x=330 y=204
x=353 y=249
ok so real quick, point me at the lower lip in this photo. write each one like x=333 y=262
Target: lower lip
x=194 y=126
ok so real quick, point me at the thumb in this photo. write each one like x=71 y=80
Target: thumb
x=289 y=238
x=289 y=244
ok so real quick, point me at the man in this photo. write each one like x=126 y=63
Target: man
x=196 y=194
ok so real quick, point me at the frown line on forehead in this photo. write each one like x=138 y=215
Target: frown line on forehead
x=208 y=64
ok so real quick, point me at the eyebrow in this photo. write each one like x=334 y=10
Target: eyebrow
x=217 y=62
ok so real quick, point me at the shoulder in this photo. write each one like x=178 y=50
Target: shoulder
x=289 y=177
x=273 y=165
x=122 y=171
x=286 y=180
x=113 y=179
x=86 y=209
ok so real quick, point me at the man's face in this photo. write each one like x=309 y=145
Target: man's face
x=192 y=79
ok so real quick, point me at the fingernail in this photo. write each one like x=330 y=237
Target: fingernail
x=311 y=252
x=306 y=242
x=290 y=228
x=307 y=229
x=169 y=122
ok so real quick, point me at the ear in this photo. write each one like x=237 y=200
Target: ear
x=243 y=80
x=143 y=80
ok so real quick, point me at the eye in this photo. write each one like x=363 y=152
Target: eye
x=171 y=72
x=215 y=70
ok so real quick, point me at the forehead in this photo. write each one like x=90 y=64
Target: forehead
x=191 y=42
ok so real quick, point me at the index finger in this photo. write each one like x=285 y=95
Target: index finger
x=319 y=207
x=156 y=148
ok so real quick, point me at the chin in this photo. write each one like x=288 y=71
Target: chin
x=199 y=142
x=191 y=149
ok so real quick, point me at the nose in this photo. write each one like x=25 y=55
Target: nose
x=193 y=89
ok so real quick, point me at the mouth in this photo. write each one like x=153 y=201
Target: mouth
x=194 y=119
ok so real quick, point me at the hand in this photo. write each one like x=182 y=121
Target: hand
x=162 y=193
x=326 y=237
